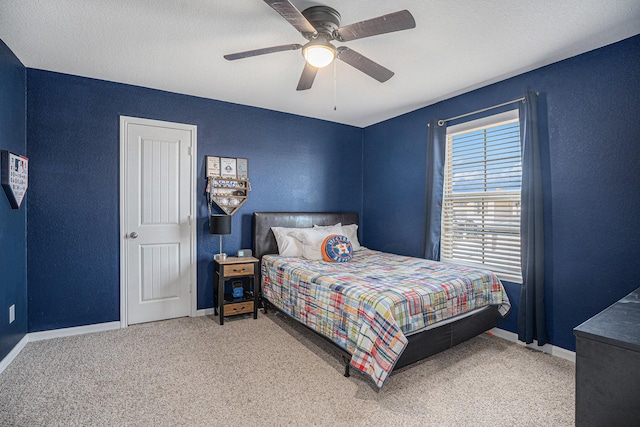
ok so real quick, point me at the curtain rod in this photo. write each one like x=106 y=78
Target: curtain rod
x=442 y=122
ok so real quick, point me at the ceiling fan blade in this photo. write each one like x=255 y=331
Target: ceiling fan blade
x=263 y=51
x=364 y=64
x=308 y=75
x=292 y=15
x=397 y=21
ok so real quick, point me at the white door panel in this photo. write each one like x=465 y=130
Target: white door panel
x=158 y=234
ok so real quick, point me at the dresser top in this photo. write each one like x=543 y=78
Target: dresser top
x=617 y=325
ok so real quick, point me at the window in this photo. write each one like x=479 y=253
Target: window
x=481 y=200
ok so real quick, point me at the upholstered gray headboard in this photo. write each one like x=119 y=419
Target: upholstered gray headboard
x=264 y=242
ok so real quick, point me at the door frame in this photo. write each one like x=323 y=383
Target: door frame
x=193 y=129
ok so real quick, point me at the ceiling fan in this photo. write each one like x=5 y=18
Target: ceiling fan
x=321 y=25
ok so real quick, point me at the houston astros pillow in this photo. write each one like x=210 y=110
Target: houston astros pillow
x=336 y=248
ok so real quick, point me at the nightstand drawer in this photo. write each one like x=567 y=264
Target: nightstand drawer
x=238 y=308
x=238 y=269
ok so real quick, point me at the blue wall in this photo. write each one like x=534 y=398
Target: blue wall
x=589 y=107
x=295 y=163
x=590 y=152
x=13 y=251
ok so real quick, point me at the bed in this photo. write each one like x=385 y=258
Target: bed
x=382 y=311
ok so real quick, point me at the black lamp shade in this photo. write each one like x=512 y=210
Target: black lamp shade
x=220 y=224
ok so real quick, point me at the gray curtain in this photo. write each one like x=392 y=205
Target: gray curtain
x=436 y=149
x=531 y=312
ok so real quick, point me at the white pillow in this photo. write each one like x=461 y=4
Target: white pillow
x=351 y=231
x=287 y=244
x=334 y=229
x=311 y=239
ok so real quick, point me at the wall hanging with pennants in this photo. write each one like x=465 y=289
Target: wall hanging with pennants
x=14 y=171
x=227 y=182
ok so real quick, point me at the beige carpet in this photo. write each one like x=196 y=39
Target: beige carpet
x=270 y=372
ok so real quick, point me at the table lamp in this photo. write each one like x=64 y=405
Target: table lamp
x=220 y=224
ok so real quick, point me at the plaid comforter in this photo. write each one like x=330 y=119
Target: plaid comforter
x=368 y=305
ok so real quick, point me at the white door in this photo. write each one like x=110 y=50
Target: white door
x=158 y=231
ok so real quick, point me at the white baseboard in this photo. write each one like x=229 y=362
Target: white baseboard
x=204 y=312
x=78 y=330
x=13 y=353
x=547 y=348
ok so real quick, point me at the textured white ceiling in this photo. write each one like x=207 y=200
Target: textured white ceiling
x=177 y=46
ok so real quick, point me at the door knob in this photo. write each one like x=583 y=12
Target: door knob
x=133 y=235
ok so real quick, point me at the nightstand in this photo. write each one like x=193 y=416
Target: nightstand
x=245 y=271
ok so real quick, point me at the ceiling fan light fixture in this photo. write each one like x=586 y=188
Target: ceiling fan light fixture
x=321 y=25
x=319 y=55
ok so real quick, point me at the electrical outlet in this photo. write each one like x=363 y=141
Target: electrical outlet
x=12 y=313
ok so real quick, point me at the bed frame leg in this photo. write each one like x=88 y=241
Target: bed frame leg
x=346 y=367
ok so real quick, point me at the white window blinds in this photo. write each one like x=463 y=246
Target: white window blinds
x=481 y=201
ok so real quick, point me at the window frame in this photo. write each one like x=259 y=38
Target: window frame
x=487 y=122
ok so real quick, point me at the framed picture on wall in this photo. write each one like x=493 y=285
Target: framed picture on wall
x=228 y=167
x=213 y=166
x=243 y=168
x=14 y=176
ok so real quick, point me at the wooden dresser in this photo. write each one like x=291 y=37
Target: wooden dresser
x=608 y=366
